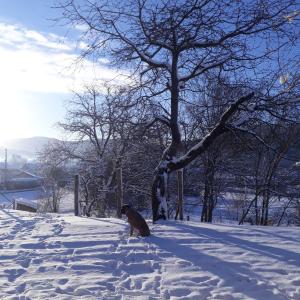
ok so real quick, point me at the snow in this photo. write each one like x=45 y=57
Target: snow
x=67 y=203
x=31 y=195
x=27 y=203
x=55 y=256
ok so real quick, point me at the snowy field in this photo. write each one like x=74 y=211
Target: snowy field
x=67 y=257
x=31 y=195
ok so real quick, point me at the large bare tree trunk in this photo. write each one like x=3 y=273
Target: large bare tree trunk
x=159 y=191
x=159 y=195
x=169 y=164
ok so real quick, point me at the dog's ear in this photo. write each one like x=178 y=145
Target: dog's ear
x=124 y=209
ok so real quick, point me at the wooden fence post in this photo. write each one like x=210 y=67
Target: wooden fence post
x=76 y=195
x=180 y=193
x=119 y=191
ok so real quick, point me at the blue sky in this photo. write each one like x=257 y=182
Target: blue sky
x=36 y=69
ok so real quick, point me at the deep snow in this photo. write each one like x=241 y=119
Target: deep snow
x=67 y=257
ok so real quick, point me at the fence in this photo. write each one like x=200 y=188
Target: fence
x=81 y=209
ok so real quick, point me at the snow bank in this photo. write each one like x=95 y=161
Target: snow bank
x=7 y=197
x=67 y=257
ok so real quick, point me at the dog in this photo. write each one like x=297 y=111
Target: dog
x=136 y=221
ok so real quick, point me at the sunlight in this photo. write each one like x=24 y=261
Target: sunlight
x=36 y=66
x=34 y=62
x=149 y=149
x=283 y=79
x=15 y=116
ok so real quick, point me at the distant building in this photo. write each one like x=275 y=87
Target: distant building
x=14 y=179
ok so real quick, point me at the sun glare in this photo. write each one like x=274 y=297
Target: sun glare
x=15 y=116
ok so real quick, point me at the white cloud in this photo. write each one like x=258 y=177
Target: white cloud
x=35 y=66
x=81 y=27
x=36 y=62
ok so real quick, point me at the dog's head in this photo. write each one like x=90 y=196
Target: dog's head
x=125 y=208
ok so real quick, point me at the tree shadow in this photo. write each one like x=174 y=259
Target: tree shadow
x=262 y=229
x=284 y=238
x=279 y=254
x=18 y=219
x=108 y=220
x=237 y=275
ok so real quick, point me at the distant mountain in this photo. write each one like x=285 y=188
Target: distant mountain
x=25 y=147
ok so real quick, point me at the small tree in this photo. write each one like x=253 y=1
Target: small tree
x=102 y=121
x=268 y=170
x=55 y=178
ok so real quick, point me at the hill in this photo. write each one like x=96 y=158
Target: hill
x=25 y=147
x=67 y=257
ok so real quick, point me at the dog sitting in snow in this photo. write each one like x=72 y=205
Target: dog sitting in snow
x=136 y=221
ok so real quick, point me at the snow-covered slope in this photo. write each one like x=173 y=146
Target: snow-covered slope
x=67 y=257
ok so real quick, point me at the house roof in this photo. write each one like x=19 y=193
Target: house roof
x=11 y=173
x=28 y=195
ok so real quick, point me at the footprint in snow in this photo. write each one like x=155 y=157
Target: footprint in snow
x=60 y=268
x=184 y=263
x=37 y=261
x=57 y=229
x=25 y=262
x=41 y=269
x=296 y=282
x=21 y=288
x=63 y=281
x=13 y=274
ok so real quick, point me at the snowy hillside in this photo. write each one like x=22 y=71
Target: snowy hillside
x=25 y=147
x=67 y=257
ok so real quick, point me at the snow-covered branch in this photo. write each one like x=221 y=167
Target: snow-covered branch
x=219 y=129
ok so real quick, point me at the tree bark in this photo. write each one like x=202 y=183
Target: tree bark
x=159 y=193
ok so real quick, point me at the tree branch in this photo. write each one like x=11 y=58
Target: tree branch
x=218 y=130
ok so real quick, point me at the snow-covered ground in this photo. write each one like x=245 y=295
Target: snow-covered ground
x=31 y=195
x=67 y=257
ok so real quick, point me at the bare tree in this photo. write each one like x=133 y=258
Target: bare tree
x=200 y=117
x=55 y=178
x=101 y=121
x=168 y=44
x=269 y=169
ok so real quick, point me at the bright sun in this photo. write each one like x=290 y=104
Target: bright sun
x=14 y=117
